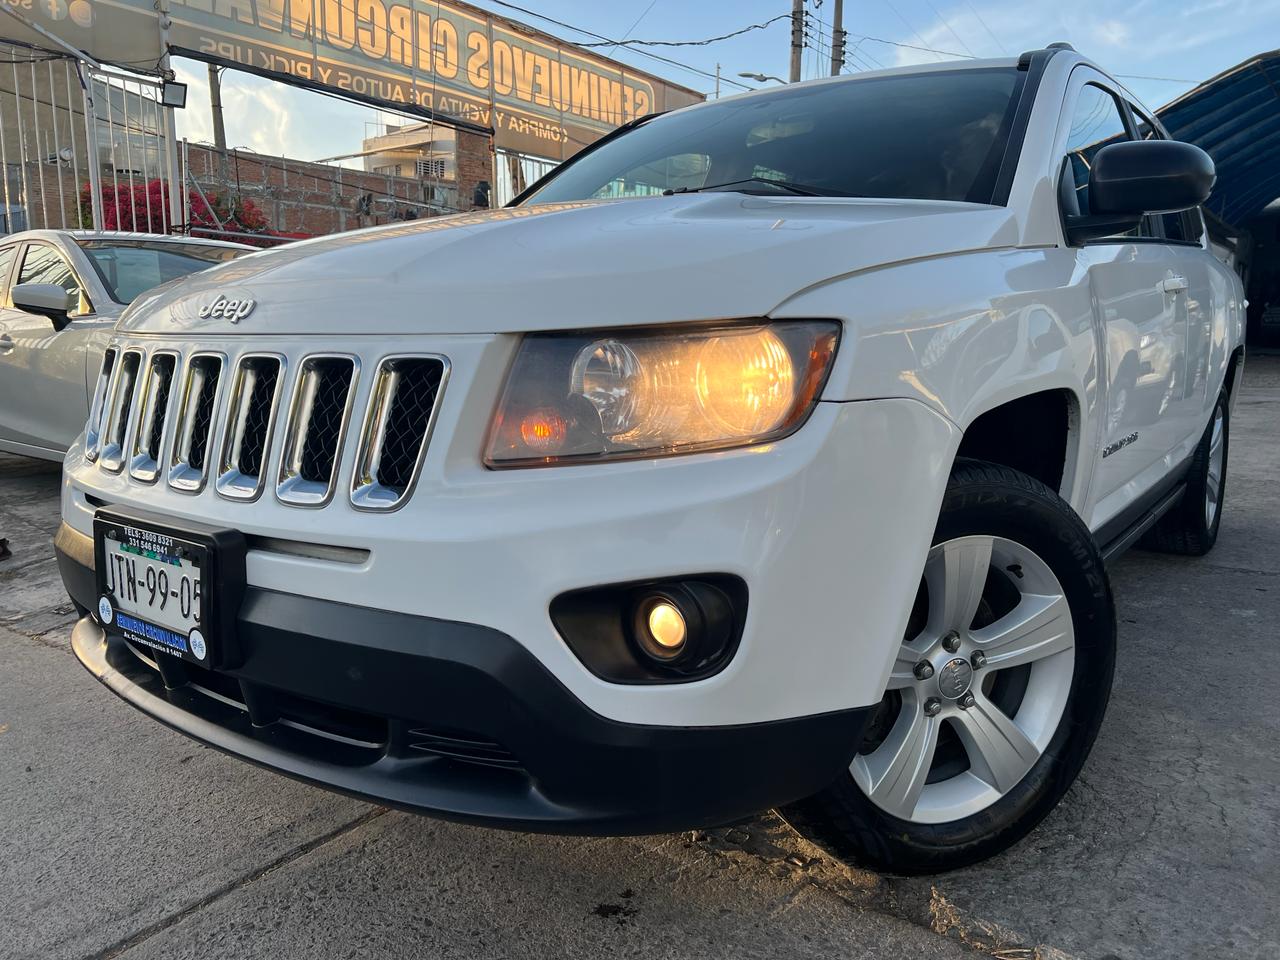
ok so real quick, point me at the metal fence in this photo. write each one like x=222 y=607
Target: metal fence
x=83 y=147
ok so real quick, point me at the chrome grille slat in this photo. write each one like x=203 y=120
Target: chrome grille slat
x=317 y=425
x=111 y=457
x=152 y=411
x=197 y=407
x=251 y=416
x=98 y=406
x=402 y=410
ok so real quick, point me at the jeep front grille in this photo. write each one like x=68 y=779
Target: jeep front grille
x=112 y=455
x=401 y=413
x=197 y=406
x=144 y=457
x=251 y=415
x=318 y=418
x=241 y=422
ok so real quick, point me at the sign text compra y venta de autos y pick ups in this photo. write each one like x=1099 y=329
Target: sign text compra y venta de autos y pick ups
x=537 y=94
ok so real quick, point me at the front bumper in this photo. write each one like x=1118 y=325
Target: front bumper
x=452 y=719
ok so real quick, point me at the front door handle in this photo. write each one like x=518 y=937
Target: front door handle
x=1174 y=285
x=6 y=343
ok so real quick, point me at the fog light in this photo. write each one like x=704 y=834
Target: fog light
x=666 y=628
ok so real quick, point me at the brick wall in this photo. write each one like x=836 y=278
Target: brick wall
x=294 y=195
x=300 y=197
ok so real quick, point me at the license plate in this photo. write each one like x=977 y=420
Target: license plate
x=158 y=586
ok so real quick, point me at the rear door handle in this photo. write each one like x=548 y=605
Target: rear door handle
x=6 y=343
x=1173 y=285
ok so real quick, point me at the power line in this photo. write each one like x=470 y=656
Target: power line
x=974 y=11
x=950 y=29
x=911 y=46
x=688 y=43
x=898 y=13
x=591 y=33
x=1135 y=76
x=635 y=23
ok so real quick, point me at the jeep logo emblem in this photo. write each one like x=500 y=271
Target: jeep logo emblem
x=954 y=678
x=224 y=309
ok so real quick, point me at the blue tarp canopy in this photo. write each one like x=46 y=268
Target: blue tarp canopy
x=1236 y=118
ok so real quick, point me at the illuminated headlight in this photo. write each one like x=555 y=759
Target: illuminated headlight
x=621 y=393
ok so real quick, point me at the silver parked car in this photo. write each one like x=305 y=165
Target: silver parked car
x=61 y=293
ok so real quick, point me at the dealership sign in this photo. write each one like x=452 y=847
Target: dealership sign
x=538 y=94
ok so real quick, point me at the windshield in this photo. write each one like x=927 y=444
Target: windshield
x=925 y=136
x=131 y=267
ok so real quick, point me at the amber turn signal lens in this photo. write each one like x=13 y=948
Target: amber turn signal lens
x=543 y=431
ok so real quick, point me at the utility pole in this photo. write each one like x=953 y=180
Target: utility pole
x=717 y=81
x=219 y=128
x=837 y=37
x=797 y=38
x=215 y=105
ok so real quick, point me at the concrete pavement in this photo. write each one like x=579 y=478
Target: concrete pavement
x=120 y=838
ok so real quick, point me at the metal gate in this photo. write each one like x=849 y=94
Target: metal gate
x=83 y=147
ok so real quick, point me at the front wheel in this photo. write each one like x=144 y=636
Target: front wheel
x=997 y=691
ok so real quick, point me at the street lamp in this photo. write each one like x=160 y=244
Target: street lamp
x=761 y=77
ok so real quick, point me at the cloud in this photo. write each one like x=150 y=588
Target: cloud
x=1111 y=33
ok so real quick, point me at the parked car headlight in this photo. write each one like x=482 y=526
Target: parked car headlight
x=644 y=393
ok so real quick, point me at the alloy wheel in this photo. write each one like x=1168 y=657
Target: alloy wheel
x=1217 y=459
x=978 y=687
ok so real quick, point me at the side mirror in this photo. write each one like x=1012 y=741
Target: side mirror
x=46 y=299
x=1129 y=180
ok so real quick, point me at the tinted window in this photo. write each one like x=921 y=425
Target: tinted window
x=128 y=268
x=1096 y=122
x=934 y=136
x=43 y=264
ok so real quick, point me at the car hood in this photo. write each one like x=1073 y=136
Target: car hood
x=606 y=263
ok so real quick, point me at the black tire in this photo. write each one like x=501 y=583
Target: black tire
x=1186 y=529
x=987 y=499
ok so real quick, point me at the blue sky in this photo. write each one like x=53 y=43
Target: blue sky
x=1181 y=40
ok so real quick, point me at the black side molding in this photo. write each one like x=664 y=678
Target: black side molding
x=1126 y=528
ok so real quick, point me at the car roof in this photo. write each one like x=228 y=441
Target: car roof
x=78 y=235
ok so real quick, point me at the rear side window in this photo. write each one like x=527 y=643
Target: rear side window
x=6 y=263
x=43 y=264
x=1096 y=122
x=1184 y=227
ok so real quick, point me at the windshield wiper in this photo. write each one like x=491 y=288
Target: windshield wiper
x=797 y=188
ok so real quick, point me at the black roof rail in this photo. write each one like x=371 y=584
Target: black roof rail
x=1024 y=61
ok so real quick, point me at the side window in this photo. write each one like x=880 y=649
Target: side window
x=44 y=264
x=1096 y=122
x=6 y=262
x=1184 y=227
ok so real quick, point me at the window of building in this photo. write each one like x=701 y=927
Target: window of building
x=516 y=171
x=430 y=168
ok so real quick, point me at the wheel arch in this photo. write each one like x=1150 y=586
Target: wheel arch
x=1037 y=433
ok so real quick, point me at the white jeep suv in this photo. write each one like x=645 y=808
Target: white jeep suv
x=768 y=453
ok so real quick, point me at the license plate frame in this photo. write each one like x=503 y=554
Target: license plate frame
x=220 y=556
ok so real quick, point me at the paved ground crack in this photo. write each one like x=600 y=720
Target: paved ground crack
x=164 y=923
